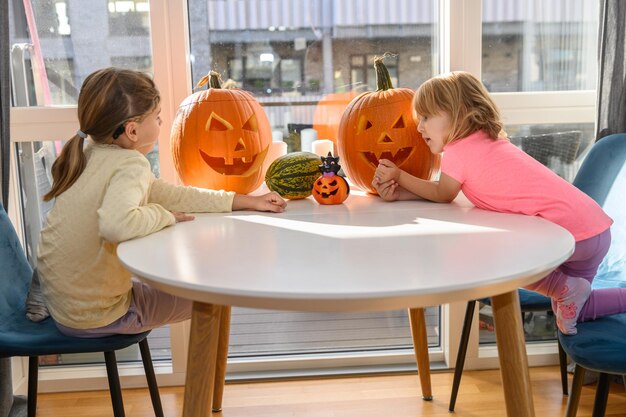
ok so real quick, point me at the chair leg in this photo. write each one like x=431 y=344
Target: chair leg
x=114 y=384
x=146 y=358
x=460 y=357
x=574 y=396
x=33 y=378
x=602 y=395
x=563 y=366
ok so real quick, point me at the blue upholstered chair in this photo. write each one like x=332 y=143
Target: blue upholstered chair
x=530 y=301
x=600 y=344
x=22 y=337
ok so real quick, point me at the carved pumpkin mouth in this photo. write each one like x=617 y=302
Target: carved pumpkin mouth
x=327 y=195
x=397 y=158
x=243 y=166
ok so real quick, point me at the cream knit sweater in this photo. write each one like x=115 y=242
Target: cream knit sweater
x=116 y=198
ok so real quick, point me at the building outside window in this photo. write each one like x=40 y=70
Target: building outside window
x=129 y=18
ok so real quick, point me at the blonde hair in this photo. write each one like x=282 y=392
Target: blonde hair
x=108 y=99
x=465 y=99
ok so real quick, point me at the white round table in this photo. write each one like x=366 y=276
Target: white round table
x=363 y=255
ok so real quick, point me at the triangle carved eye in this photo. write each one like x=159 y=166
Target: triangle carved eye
x=399 y=124
x=364 y=124
x=216 y=123
x=251 y=124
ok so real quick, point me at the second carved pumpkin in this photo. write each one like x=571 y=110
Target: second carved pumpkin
x=220 y=138
x=379 y=125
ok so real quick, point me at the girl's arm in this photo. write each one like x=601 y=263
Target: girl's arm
x=185 y=199
x=266 y=202
x=391 y=191
x=443 y=191
x=123 y=214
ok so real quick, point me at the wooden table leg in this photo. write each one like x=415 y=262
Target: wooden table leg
x=222 y=357
x=203 y=342
x=420 y=347
x=512 y=354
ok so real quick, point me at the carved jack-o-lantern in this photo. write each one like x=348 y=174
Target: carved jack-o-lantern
x=330 y=188
x=379 y=125
x=220 y=138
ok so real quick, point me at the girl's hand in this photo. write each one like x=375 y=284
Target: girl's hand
x=386 y=171
x=266 y=202
x=270 y=202
x=182 y=217
x=388 y=191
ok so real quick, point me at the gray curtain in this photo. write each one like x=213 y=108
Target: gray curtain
x=6 y=390
x=9 y=405
x=611 y=64
x=5 y=102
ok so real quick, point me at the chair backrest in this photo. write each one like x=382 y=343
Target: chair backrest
x=602 y=176
x=561 y=145
x=15 y=270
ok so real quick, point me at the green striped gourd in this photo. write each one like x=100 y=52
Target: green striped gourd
x=292 y=175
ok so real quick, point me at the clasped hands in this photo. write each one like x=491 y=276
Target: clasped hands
x=386 y=180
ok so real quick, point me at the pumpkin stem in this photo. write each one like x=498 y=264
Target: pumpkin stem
x=383 y=79
x=213 y=78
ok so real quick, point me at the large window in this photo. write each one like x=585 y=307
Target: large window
x=50 y=59
x=541 y=47
x=289 y=54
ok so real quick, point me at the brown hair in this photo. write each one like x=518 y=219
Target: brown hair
x=465 y=99
x=108 y=99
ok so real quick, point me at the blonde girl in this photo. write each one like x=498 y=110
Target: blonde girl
x=105 y=193
x=458 y=118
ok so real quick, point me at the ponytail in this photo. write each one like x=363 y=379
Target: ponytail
x=68 y=167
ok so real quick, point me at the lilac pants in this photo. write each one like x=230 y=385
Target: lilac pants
x=149 y=308
x=584 y=263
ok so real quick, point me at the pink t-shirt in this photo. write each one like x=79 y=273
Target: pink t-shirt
x=498 y=176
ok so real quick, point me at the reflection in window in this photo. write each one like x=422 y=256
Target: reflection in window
x=48 y=70
x=61 y=80
x=68 y=53
x=362 y=70
x=290 y=54
x=129 y=18
x=560 y=147
x=140 y=63
x=52 y=24
x=540 y=46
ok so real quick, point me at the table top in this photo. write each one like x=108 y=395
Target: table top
x=363 y=255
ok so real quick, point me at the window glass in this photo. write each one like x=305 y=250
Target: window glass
x=129 y=18
x=540 y=46
x=56 y=49
x=539 y=326
x=289 y=54
x=55 y=44
x=561 y=147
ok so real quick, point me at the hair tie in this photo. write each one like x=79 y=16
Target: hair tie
x=81 y=134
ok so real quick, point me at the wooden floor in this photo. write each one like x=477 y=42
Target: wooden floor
x=375 y=396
